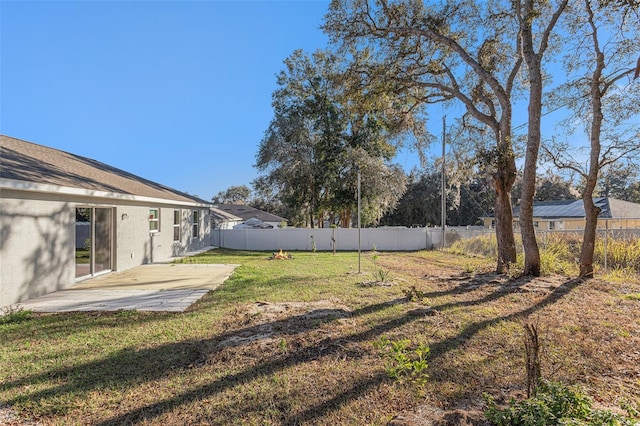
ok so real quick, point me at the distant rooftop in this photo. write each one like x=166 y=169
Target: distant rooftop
x=612 y=208
x=246 y=212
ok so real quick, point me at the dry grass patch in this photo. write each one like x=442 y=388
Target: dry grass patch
x=293 y=343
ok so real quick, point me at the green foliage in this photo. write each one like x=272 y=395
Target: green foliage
x=315 y=144
x=232 y=195
x=14 y=315
x=282 y=346
x=556 y=404
x=404 y=363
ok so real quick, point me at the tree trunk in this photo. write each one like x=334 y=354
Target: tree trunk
x=533 y=60
x=504 y=225
x=590 y=210
x=345 y=218
x=527 y=230
x=589 y=236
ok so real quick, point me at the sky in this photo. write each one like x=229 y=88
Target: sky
x=178 y=92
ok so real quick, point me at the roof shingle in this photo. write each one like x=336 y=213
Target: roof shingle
x=25 y=161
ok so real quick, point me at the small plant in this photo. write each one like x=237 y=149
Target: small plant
x=532 y=348
x=381 y=275
x=313 y=244
x=14 y=314
x=404 y=363
x=282 y=346
x=333 y=238
x=413 y=294
x=556 y=404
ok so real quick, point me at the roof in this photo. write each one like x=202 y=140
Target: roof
x=246 y=212
x=224 y=216
x=612 y=208
x=29 y=166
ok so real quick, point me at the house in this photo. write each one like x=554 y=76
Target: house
x=246 y=213
x=66 y=218
x=224 y=220
x=569 y=215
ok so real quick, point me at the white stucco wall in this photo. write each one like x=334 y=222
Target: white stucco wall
x=37 y=248
x=138 y=246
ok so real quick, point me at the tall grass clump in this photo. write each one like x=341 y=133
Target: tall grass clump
x=622 y=254
x=560 y=252
x=483 y=245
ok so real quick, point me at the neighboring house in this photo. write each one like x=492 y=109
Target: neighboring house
x=569 y=215
x=223 y=220
x=246 y=212
x=65 y=218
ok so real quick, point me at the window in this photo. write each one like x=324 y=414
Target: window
x=552 y=224
x=176 y=225
x=154 y=220
x=196 y=223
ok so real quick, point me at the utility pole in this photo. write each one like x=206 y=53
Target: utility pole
x=443 y=188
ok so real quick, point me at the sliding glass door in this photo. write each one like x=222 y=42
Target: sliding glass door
x=94 y=240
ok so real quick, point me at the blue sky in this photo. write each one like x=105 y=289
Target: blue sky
x=178 y=92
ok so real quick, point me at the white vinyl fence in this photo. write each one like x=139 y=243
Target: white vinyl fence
x=384 y=239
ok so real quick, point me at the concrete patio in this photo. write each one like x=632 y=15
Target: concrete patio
x=153 y=287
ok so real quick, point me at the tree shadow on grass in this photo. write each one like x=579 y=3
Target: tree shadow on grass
x=468 y=283
x=129 y=368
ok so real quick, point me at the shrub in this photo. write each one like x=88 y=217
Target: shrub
x=556 y=404
x=14 y=315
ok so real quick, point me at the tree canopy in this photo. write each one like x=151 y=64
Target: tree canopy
x=315 y=145
x=421 y=53
x=238 y=194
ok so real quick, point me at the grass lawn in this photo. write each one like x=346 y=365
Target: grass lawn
x=294 y=342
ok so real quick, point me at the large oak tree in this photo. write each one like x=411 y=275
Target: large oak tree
x=423 y=53
x=316 y=142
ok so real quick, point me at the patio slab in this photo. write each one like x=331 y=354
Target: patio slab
x=154 y=287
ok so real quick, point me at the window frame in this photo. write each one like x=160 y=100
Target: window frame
x=154 y=219
x=177 y=221
x=195 y=224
